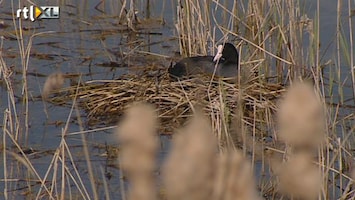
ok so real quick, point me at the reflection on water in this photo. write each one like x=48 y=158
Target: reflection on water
x=91 y=42
x=81 y=45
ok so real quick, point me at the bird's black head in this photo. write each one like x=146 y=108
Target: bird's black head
x=230 y=54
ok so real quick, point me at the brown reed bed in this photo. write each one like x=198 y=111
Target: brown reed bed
x=105 y=100
x=195 y=169
x=270 y=36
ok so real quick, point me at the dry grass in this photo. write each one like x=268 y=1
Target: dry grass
x=307 y=138
x=107 y=99
x=228 y=175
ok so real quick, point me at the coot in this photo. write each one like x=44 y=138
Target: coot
x=224 y=64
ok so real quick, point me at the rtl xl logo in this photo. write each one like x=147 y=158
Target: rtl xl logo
x=42 y=12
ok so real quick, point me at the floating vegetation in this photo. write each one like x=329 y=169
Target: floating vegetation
x=105 y=100
x=298 y=147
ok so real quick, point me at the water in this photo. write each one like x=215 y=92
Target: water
x=81 y=44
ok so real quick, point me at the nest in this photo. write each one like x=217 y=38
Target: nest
x=105 y=100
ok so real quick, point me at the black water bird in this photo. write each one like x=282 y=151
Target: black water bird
x=224 y=64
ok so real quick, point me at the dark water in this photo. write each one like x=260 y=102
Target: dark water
x=82 y=42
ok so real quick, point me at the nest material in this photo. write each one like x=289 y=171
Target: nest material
x=105 y=100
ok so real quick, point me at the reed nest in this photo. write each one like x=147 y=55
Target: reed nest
x=105 y=100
